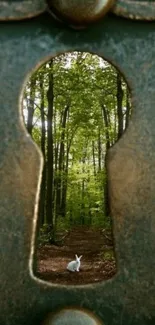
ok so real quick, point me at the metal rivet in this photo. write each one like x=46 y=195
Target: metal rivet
x=79 y=12
x=70 y=316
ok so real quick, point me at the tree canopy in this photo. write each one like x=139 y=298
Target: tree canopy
x=75 y=107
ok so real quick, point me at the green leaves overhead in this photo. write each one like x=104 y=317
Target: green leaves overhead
x=90 y=110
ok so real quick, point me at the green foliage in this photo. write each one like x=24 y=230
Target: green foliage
x=108 y=255
x=84 y=84
x=36 y=135
x=46 y=235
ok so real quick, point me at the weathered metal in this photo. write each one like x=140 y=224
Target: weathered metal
x=77 y=12
x=80 y=12
x=70 y=316
x=128 y=298
x=21 y=9
x=135 y=9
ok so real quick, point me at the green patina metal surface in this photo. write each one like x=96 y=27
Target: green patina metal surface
x=135 y=9
x=128 y=298
x=93 y=9
x=21 y=9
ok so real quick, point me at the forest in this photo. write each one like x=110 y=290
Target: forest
x=75 y=107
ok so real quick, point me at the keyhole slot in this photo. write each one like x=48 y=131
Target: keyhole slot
x=75 y=107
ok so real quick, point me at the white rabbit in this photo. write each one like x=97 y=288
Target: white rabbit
x=74 y=265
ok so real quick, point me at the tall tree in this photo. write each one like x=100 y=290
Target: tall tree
x=50 y=160
x=31 y=105
x=42 y=206
x=60 y=173
x=119 y=105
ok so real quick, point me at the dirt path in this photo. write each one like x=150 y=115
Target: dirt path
x=97 y=263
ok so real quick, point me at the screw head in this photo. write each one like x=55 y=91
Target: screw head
x=70 y=316
x=79 y=12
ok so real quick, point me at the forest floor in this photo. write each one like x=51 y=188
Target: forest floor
x=97 y=263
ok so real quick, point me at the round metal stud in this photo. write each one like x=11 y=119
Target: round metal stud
x=79 y=12
x=71 y=316
x=22 y=9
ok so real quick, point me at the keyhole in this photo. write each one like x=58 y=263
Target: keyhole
x=75 y=107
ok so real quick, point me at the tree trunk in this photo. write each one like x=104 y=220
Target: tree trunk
x=94 y=163
x=107 y=126
x=56 y=144
x=115 y=127
x=99 y=150
x=60 y=173
x=83 y=186
x=65 y=183
x=82 y=203
x=42 y=211
x=119 y=105
x=49 y=201
x=64 y=188
x=106 y=190
x=31 y=105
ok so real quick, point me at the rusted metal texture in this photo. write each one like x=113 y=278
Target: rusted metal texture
x=128 y=298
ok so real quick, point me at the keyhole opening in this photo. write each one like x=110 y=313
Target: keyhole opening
x=75 y=107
